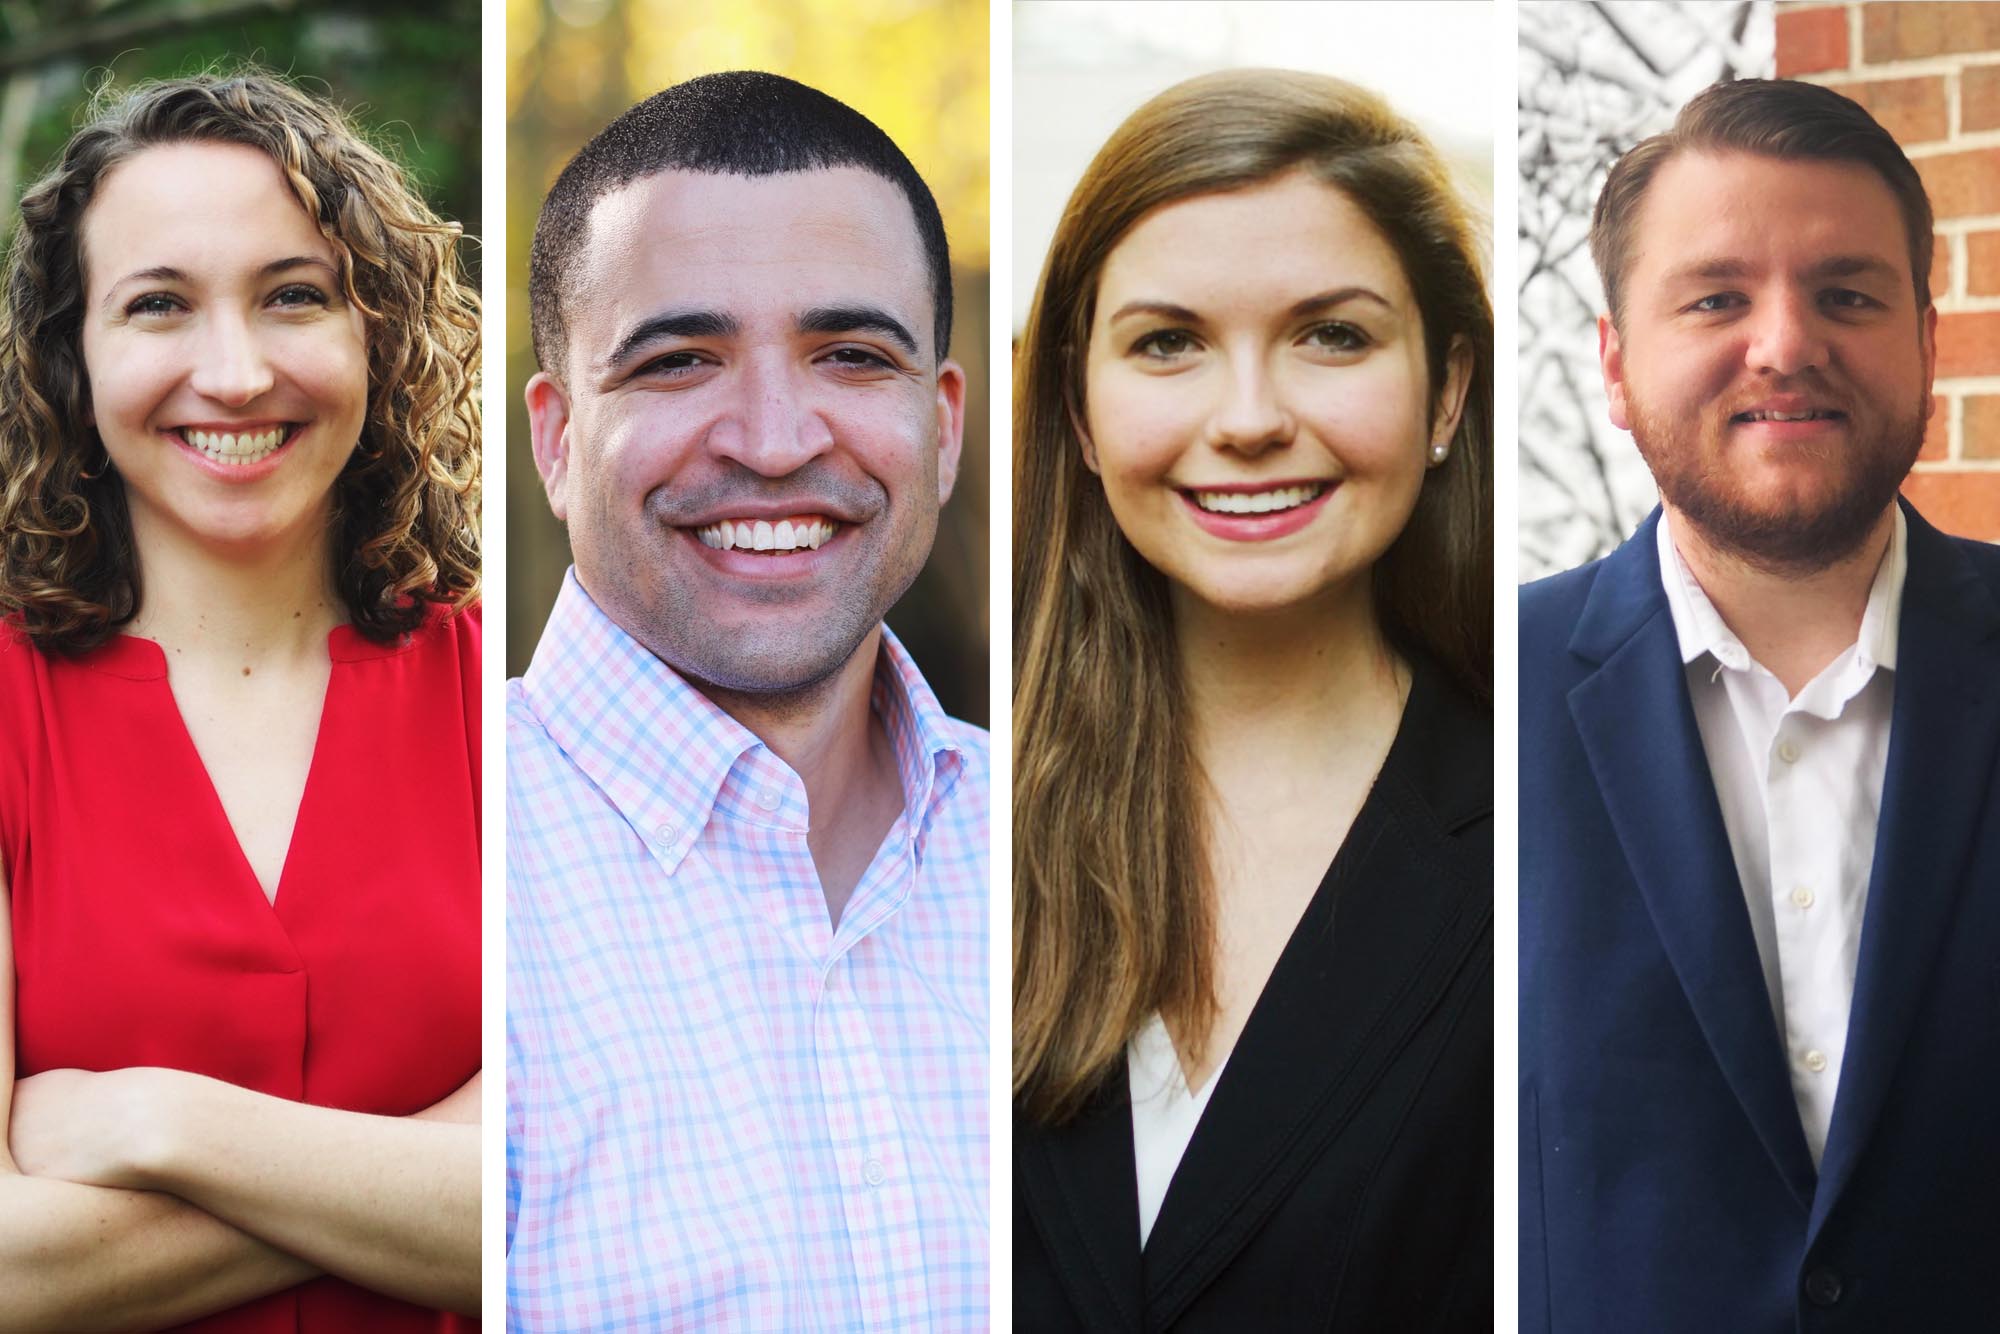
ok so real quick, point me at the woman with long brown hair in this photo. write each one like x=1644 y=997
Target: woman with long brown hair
x=1253 y=783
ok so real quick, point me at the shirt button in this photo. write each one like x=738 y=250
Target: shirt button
x=768 y=799
x=1802 y=897
x=665 y=833
x=1816 y=1060
x=1788 y=751
x=873 y=1172
x=1823 y=1287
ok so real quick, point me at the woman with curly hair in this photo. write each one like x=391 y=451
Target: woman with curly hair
x=239 y=732
x=1253 y=789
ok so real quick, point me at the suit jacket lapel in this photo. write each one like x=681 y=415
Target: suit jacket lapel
x=1389 y=927
x=1079 y=1183
x=1644 y=747
x=1936 y=797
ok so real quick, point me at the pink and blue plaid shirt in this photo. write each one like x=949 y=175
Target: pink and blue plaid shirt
x=721 y=1111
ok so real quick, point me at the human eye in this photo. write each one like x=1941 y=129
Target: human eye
x=1716 y=303
x=673 y=365
x=1164 y=345
x=1846 y=298
x=857 y=359
x=154 y=304
x=298 y=296
x=1337 y=337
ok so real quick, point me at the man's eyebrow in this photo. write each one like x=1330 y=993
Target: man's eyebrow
x=857 y=319
x=1710 y=270
x=1853 y=266
x=1835 y=266
x=674 y=324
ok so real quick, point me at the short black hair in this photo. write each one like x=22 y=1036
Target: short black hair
x=739 y=123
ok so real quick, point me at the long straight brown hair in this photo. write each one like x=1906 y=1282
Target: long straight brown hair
x=1112 y=914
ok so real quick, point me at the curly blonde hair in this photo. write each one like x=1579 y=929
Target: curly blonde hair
x=405 y=507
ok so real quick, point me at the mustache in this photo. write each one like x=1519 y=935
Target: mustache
x=813 y=488
x=1812 y=385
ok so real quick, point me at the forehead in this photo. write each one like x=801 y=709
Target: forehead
x=197 y=207
x=1781 y=213
x=757 y=248
x=1270 y=243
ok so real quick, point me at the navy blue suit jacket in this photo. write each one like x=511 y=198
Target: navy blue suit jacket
x=1665 y=1182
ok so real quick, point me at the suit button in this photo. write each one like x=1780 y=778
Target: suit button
x=1823 y=1287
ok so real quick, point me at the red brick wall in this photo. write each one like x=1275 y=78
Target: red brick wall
x=1929 y=70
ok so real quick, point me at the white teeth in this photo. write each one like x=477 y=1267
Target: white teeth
x=225 y=447
x=1258 y=502
x=763 y=535
x=1785 y=416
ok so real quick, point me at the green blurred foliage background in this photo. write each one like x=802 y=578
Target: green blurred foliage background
x=917 y=68
x=409 y=74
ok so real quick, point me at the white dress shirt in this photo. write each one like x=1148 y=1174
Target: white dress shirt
x=1800 y=785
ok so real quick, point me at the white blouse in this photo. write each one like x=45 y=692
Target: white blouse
x=1164 y=1114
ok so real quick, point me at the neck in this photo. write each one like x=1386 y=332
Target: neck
x=257 y=604
x=1274 y=687
x=830 y=737
x=1795 y=622
x=822 y=730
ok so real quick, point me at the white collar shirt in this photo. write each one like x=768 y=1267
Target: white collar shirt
x=1799 y=779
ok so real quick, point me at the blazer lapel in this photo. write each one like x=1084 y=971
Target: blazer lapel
x=1079 y=1184
x=1935 y=800
x=1639 y=734
x=1389 y=927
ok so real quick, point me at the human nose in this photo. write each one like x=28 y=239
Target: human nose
x=231 y=365
x=1786 y=337
x=1251 y=416
x=773 y=430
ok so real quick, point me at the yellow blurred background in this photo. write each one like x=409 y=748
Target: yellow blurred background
x=918 y=69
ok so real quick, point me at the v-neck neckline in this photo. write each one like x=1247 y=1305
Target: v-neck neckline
x=336 y=653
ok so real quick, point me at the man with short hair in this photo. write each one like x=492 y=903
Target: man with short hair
x=747 y=868
x=1760 y=873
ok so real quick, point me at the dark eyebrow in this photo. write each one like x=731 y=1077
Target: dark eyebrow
x=674 y=324
x=857 y=319
x=1166 y=310
x=165 y=273
x=1339 y=296
x=1325 y=300
x=277 y=266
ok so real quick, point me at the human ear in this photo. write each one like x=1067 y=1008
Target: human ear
x=548 y=434
x=951 y=425
x=1611 y=361
x=1450 y=404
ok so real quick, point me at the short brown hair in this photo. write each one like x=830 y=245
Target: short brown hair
x=1111 y=885
x=1778 y=118
x=405 y=520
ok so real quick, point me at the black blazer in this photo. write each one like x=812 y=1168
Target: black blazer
x=1341 y=1177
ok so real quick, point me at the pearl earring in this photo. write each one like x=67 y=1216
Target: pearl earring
x=1438 y=451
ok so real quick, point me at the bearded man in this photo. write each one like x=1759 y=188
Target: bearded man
x=1760 y=869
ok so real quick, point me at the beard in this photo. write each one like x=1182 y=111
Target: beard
x=1699 y=473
